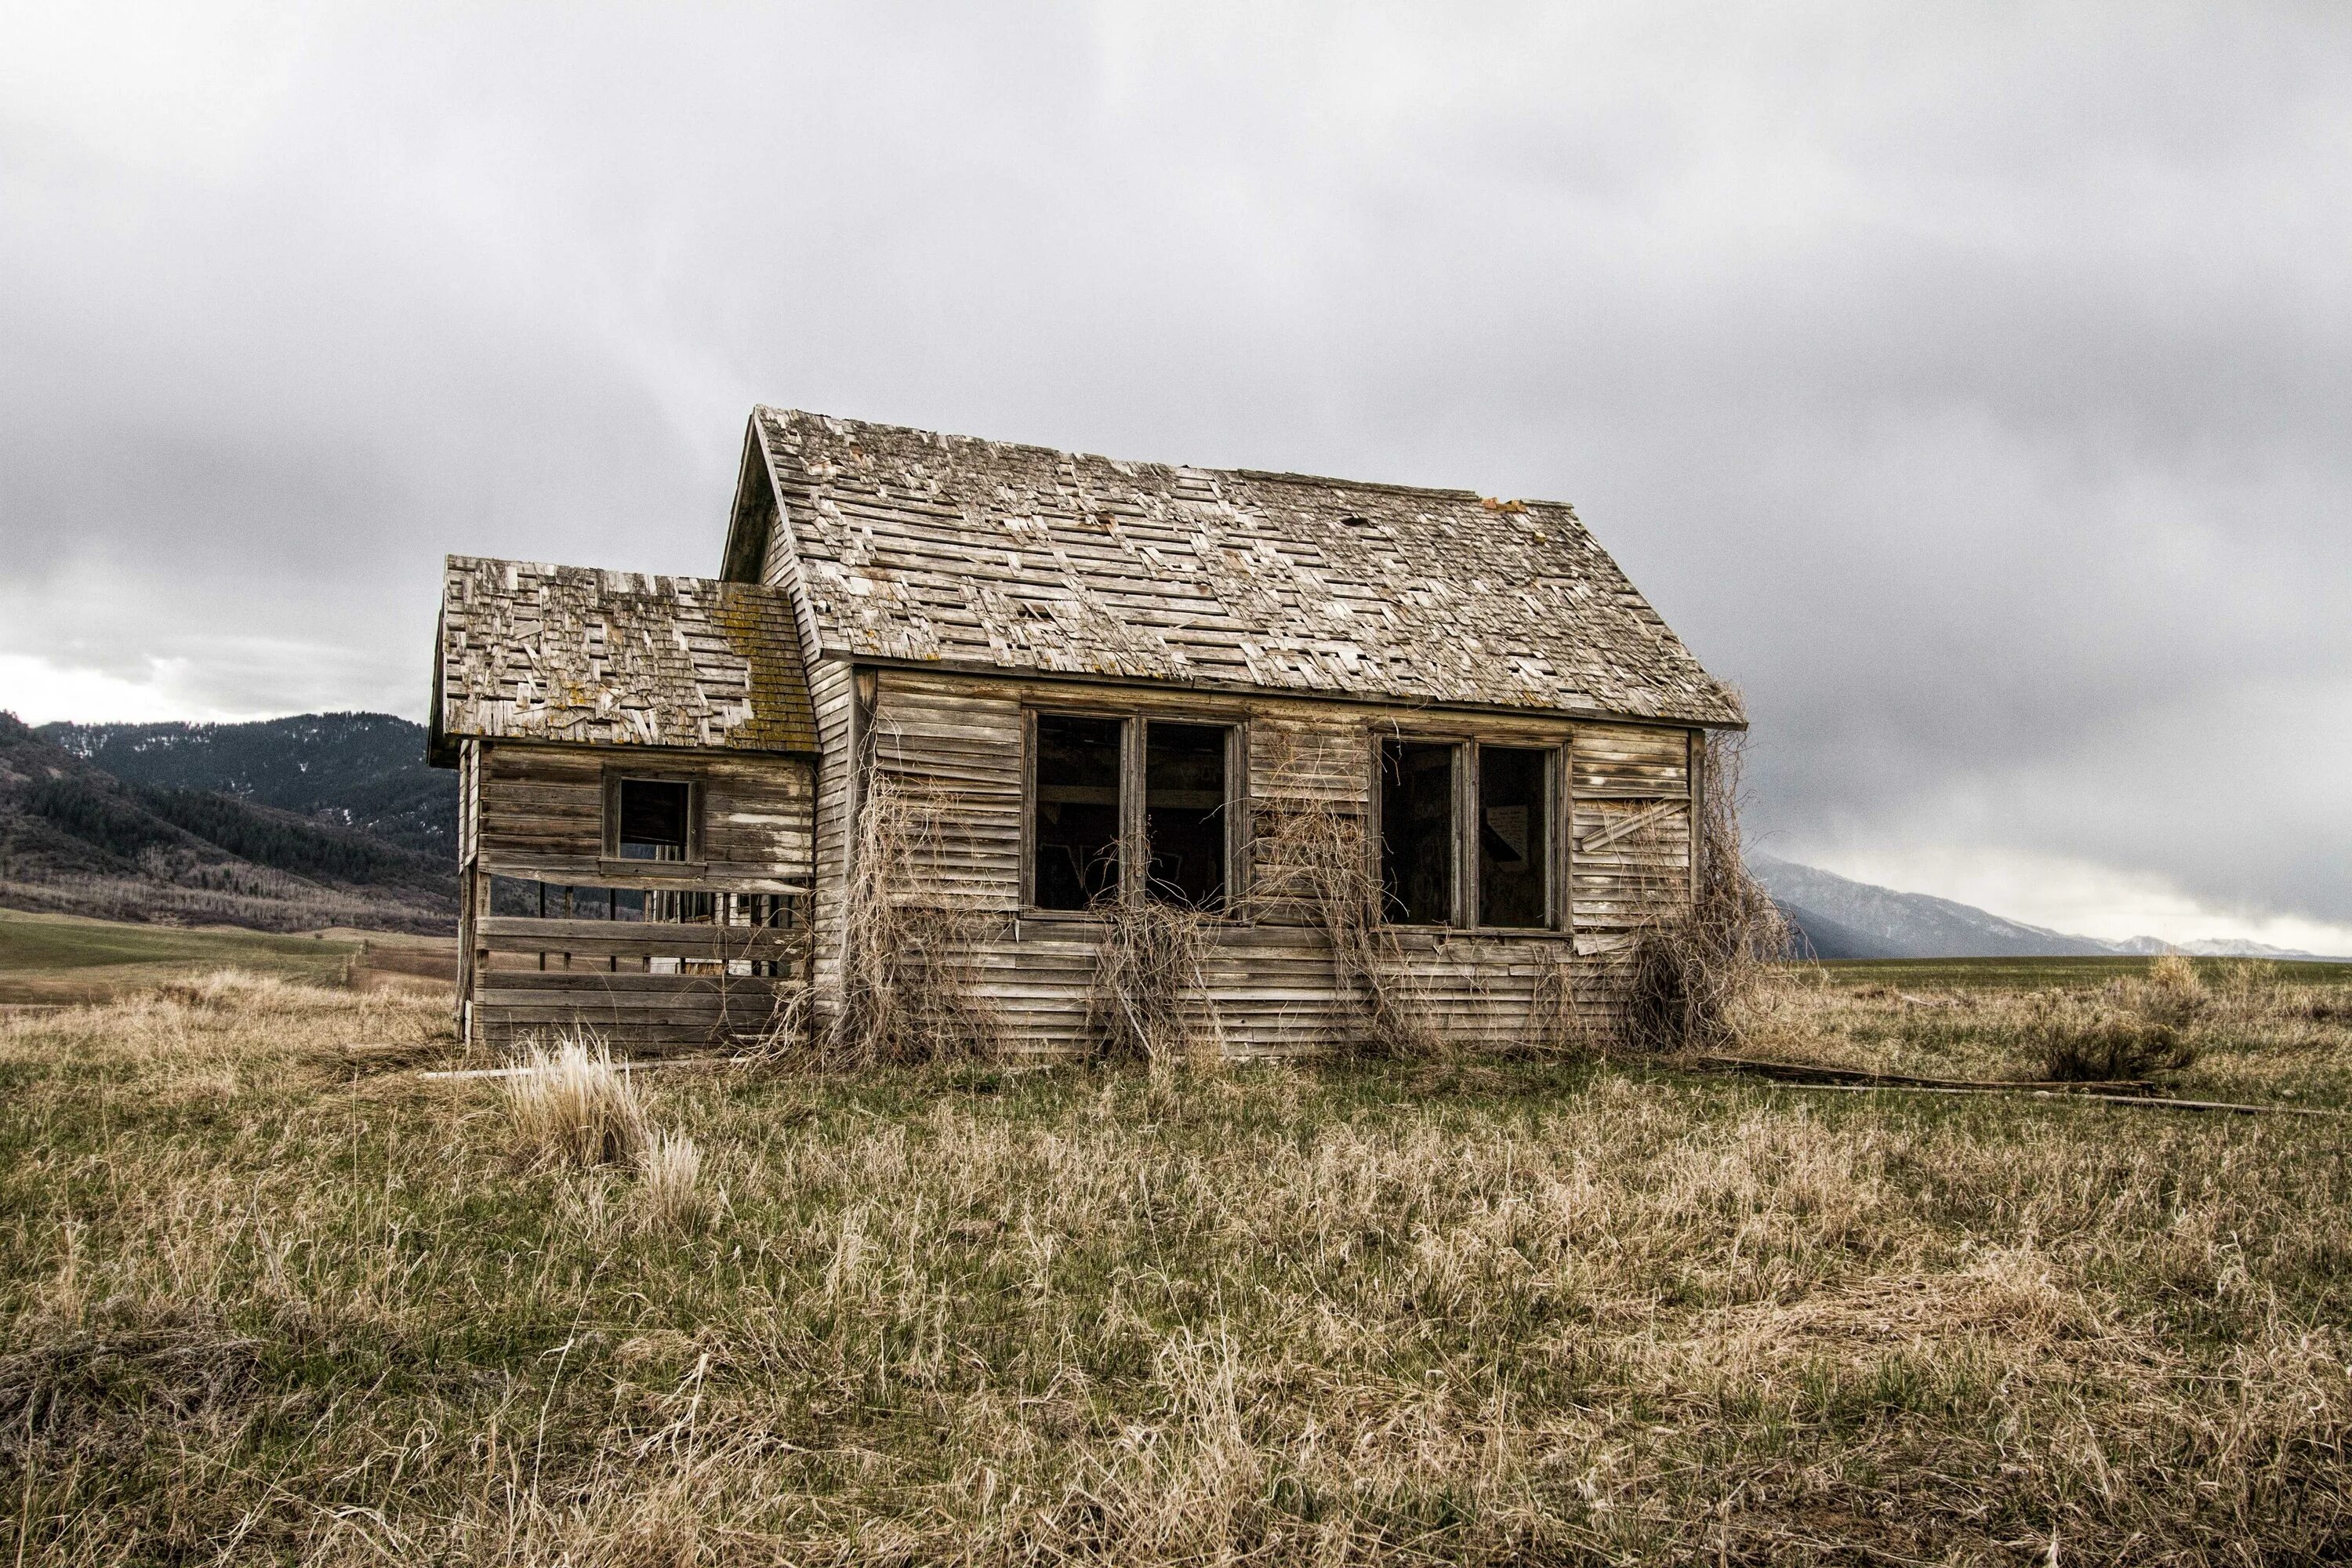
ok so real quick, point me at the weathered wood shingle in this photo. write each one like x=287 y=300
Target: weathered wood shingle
x=529 y=651
x=987 y=555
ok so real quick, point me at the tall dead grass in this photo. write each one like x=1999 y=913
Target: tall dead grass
x=1150 y=1001
x=1550 y=1314
x=573 y=1105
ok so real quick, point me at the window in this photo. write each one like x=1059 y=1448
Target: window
x=654 y=819
x=1096 y=782
x=1078 y=802
x=1185 y=813
x=1492 y=870
x=1514 y=840
x=1417 y=832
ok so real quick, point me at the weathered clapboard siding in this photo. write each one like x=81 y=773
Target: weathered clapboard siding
x=831 y=696
x=954 y=743
x=955 y=752
x=541 y=815
x=538 y=812
x=1629 y=759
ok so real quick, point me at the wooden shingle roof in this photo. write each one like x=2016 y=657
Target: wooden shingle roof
x=529 y=651
x=909 y=545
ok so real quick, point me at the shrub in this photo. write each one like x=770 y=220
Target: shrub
x=2068 y=1041
x=575 y=1106
x=1150 y=993
x=1694 y=972
x=2172 y=993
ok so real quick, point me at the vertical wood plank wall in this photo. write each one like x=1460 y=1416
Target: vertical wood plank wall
x=955 y=742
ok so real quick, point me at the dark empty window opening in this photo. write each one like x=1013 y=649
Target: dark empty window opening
x=1076 y=832
x=1417 y=832
x=655 y=815
x=1513 y=846
x=1185 y=813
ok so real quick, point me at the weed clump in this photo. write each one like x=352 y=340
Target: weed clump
x=1150 y=991
x=2070 y=1040
x=2172 y=993
x=909 y=991
x=575 y=1107
x=1693 y=969
x=671 y=1196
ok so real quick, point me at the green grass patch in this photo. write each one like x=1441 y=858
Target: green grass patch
x=2040 y=974
x=46 y=957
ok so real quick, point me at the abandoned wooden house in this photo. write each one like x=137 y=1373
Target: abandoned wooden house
x=1080 y=687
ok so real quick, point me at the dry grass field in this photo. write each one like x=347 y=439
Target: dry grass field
x=262 y=1304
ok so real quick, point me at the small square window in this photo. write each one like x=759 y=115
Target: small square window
x=656 y=819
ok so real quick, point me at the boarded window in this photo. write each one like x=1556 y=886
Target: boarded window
x=1417 y=832
x=655 y=818
x=1514 y=843
x=1184 y=812
x=1078 y=797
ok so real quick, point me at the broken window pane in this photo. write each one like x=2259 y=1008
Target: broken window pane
x=1185 y=813
x=1513 y=846
x=1077 y=831
x=1417 y=832
x=654 y=819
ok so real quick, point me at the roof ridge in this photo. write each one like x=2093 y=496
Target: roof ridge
x=1263 y=476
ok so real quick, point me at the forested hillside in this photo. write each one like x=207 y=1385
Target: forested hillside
x=77 y=839
x=363 y=771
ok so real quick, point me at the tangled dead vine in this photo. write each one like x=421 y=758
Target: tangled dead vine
x=1151 y=998
x=909 y=986
x=1692 y=970
x=1315 y=859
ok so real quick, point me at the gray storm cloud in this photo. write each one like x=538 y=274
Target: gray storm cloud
x=1970 y=388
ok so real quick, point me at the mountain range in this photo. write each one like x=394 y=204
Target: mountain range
x=1838 y=918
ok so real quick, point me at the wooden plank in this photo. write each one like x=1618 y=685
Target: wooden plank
x=640 y=939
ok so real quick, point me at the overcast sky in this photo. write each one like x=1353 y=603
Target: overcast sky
x=1969 y=384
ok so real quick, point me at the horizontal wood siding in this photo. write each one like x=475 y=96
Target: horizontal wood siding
x=954 y=743
x=1629 y=825
x=541 y=815
x=638 y=1013
x=538 y=814
x=955 y=755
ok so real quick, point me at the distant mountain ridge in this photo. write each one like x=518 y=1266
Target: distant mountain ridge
x=363 y=771
x=1837 y=917
x=77 y=838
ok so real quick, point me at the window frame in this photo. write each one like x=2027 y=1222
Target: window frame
x=696 y=849
x=1465 y=917
x=1134 y=850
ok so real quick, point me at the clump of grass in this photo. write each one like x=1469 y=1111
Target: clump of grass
x=2172 y=993
x=671 y=1195
x=1694 y=970
x=574 y=1107
x=2070 y=1039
